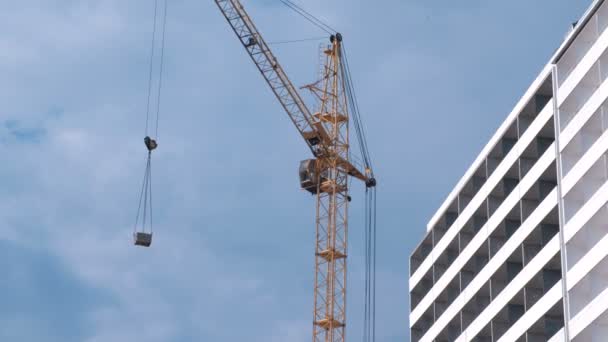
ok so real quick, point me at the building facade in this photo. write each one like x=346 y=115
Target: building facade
x=519 y=249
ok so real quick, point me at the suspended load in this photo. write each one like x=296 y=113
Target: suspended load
x=142 y=235
x=142 y=232
x=143 y=239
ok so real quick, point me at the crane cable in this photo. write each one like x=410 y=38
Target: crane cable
x=151 y=70
x=279 y=42
x=152 y=49
x=369 y=314
x=354 y=104
x=309 y=17
x=145 y=197
x=162 y=64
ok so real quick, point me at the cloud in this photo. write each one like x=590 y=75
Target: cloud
x=14 y=131
x=38 y=307
x=232 y=256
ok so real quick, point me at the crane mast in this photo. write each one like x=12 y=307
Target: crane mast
x=326 y=132
x=332 y=202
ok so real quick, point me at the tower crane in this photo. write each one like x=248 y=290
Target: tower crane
x=326 y=132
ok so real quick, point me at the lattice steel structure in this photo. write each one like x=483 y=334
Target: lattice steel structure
x=326 y=132
x=332 y=202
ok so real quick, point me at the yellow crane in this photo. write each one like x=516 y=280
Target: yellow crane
x=326 y=132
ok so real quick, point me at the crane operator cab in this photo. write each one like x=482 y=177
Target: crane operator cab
x=308 y=176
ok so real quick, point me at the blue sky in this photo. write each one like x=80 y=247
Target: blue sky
x=232 y=258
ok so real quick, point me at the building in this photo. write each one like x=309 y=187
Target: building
x=518 y=251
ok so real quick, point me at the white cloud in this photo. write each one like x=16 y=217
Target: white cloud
x=232 y=254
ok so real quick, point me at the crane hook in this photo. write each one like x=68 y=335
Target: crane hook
x=150 y=143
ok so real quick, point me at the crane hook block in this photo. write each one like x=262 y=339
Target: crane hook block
x=142 y=239
x=370 y=182
x=150 y=143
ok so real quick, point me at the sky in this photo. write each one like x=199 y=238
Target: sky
x=233 y=251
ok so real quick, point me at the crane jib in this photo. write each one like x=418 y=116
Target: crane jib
x=270 y=69
x=279 y=82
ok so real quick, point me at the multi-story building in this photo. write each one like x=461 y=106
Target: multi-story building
x=518 y=251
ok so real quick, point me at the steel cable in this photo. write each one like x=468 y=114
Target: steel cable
x=151 y=64
x=141 y=195
x=361 y=137
x=279 y=42
x=309 y=17
x=150 y=189
x=145 y=197
x=160 y=76
x=369 y=315
x=373 y=320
